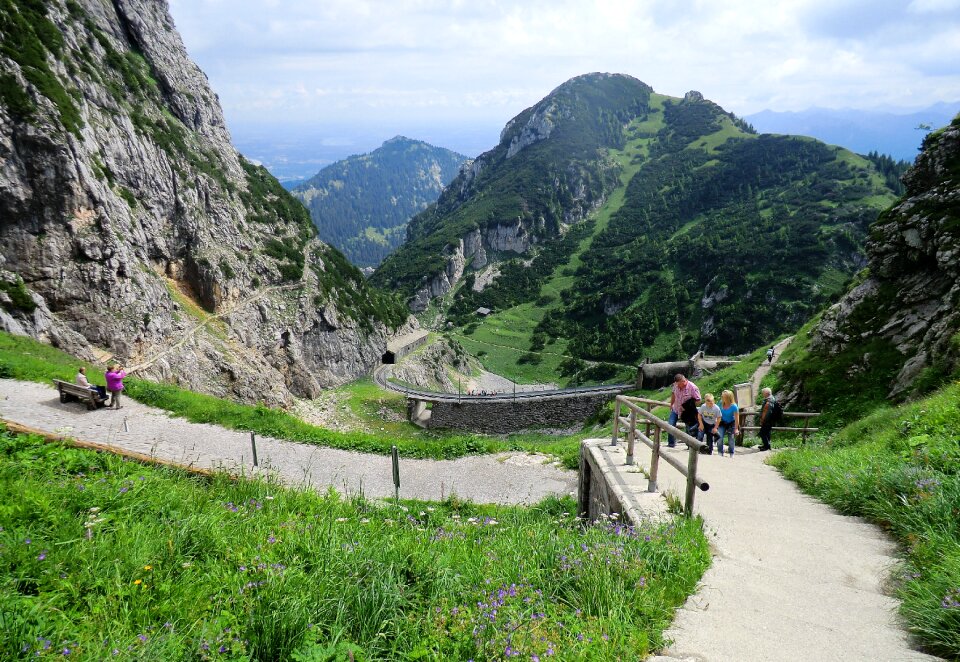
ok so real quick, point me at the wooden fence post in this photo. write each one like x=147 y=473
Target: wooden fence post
x=616 y=422
x=654 y=461
x=631 y=435
x=694 y=454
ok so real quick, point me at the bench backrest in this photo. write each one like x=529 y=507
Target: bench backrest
x=74 y=389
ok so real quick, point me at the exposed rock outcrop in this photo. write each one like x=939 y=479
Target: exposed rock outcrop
x=911 y=296
x=138 y=229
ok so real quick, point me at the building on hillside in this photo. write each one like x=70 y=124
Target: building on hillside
x=482 y=312
x=403 y=345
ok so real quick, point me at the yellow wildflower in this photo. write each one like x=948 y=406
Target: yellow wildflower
x=137 y=581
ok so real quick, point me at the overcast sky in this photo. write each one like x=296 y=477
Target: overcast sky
x=477 y=63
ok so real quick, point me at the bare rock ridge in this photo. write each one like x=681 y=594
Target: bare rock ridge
x=910 y=298
x=129 y=224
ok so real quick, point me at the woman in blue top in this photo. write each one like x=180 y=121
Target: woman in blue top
x=729 y=421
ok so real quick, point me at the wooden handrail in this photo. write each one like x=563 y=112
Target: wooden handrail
x=659 y=426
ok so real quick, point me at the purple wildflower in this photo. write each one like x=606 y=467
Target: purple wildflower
x=27 y=541
x=65 y=652
x=124 y=490
x=42 y=555
x=142 y=637
x=271 y=539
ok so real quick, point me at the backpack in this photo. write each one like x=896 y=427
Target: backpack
x=777 y=414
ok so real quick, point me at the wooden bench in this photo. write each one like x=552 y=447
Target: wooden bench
x=70 y=392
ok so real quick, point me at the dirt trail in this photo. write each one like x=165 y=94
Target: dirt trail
x=505 y=478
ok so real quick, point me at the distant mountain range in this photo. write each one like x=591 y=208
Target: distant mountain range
x=362 y=204
x=862 y=131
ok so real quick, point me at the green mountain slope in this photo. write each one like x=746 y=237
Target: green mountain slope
x=705 y=235
x=362 y=204
x=548 y=171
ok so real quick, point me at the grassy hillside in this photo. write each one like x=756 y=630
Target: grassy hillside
x=109 y=559
x=900 y=467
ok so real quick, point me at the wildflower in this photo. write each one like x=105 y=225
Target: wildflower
x=148 y=567
x=65 y=652
x=42 y=555
x=124 y=490
x=272 y=540
x=343 y=519
x=186 y=564
x=95 y=510
x=364 y=521
x=27 y=541
x=142 y=637
x=137 y=582
x=268 y=498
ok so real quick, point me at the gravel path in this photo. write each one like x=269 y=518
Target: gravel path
x=505 y=478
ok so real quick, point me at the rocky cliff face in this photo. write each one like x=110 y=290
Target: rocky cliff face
x=130 y=226
x=910 y=301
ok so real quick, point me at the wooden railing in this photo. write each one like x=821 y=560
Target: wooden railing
x=805 y=430
x=642 y=408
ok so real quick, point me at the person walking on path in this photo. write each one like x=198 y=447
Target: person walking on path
x=709 y=419
x=729 y=421
x=770 y=355
x=81 y=380
x=683 y=391
x=767 y=418
x=114 y=376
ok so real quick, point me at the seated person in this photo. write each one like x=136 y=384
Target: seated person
x=81 y=380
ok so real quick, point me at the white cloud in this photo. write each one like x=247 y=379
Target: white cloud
x=485 y=60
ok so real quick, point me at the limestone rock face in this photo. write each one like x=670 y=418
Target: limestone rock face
x=141 y=233
x=911 y=296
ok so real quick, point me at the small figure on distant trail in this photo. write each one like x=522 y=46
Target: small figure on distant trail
x=114 y=376
x=770 y=354
x=729 y=421
x=769 y=413
x=81 y=380
x=684 y=392
x=709 y=418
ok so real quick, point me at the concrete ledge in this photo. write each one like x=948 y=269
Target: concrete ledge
x=607 y=488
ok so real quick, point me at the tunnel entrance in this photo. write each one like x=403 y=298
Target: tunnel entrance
x=388 y=358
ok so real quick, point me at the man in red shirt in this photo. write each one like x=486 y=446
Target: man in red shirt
x=683 y=390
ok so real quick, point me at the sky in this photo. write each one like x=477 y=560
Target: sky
x=353 y=71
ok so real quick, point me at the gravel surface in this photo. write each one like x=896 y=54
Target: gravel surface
x=505 y=478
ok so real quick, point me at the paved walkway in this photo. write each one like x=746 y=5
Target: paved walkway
x=504 y=478
x=791 y=578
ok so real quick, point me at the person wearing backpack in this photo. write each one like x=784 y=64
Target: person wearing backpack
x=770 y=355
x=771 y=412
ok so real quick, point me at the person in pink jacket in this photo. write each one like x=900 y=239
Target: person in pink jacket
x=114 y=376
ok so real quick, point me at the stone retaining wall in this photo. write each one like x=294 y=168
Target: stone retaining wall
x=601 y=490
x=504 y=416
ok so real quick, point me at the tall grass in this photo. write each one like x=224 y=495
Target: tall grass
x=900 y=467
x=109 y=559
x=26 y=359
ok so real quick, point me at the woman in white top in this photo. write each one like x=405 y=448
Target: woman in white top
x=81 y=380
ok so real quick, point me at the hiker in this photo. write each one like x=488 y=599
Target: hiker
x=768 y=417
x=729 y=421
x=709 y=418
x=81 y=380
x=114 y=376
x=770 y=354
x=684 y=392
